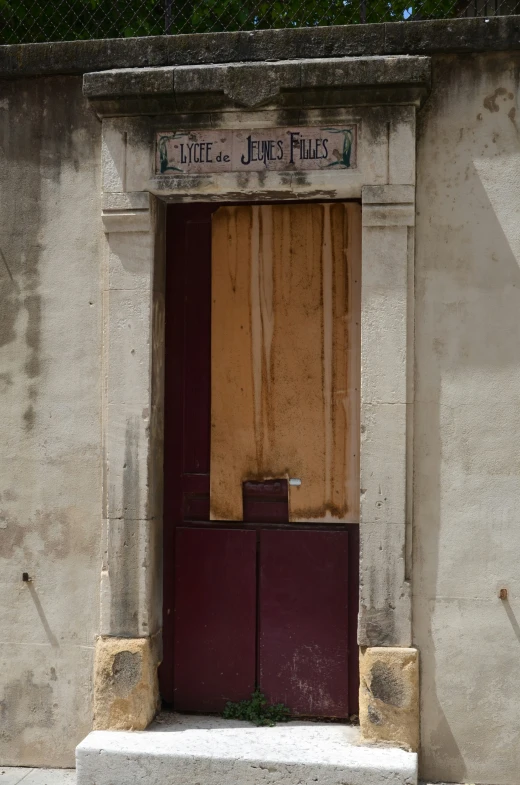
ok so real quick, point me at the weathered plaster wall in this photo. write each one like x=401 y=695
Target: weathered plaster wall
x=50 y=395
x=467 y=477
x=467 y=423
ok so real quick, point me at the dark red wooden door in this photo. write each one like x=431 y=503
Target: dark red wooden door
x=258 y=603
x=215 y=617
x=187 y=400
x=303 y=598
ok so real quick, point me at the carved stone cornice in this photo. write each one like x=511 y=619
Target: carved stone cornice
x=298 y=84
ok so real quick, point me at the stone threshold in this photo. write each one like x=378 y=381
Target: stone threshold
x=192 y=750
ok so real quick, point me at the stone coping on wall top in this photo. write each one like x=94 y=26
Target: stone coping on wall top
x=500 y=33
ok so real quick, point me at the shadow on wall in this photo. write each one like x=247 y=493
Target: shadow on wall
x=467 y=357
x=39 y=609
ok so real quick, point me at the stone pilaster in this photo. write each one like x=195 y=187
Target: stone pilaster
x=128 y=650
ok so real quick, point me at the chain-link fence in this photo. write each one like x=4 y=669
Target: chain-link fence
x=24 y=21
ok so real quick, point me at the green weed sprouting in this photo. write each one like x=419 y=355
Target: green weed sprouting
x=257 y=710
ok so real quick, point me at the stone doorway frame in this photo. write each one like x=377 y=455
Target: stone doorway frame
x=381 y=95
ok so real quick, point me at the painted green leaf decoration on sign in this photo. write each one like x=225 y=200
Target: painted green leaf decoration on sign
x=347 y=147
x=163 y=153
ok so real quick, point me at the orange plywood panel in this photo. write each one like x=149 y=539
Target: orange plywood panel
x=285 y=356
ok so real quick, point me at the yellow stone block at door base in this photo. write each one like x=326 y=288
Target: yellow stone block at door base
x=126 y=689
x=389 y=696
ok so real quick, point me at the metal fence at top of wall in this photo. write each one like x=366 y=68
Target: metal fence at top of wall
x=25 y=21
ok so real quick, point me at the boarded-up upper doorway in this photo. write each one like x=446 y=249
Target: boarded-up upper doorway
x=262 y=456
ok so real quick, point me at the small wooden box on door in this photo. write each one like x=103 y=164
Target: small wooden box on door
x=261 y=546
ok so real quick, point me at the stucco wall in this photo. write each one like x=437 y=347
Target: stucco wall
x=50 y=394
x=467 y=423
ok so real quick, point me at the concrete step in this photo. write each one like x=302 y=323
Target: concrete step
x=189 y=750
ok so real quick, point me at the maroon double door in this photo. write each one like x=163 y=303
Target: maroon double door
x=261 y=603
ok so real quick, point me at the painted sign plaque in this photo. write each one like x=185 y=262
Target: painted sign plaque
x=271 y=149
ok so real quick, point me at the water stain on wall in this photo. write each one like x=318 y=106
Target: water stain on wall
x=48 y=111
x=47 y=130
x=491 y=101
x=53 y=530
x=19 y=283
x=25 y=704
x=123 y=546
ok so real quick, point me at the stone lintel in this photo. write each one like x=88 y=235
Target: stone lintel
x=389 y=696
x=272 y=186
x=304 y=83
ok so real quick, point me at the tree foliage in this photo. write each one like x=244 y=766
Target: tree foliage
x=57 y=20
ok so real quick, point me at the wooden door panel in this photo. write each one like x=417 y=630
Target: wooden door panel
x=188 y=356
x=285 y=357
x=303 y=621
x=197 y=347
x=215 y=618
x=187 y=394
